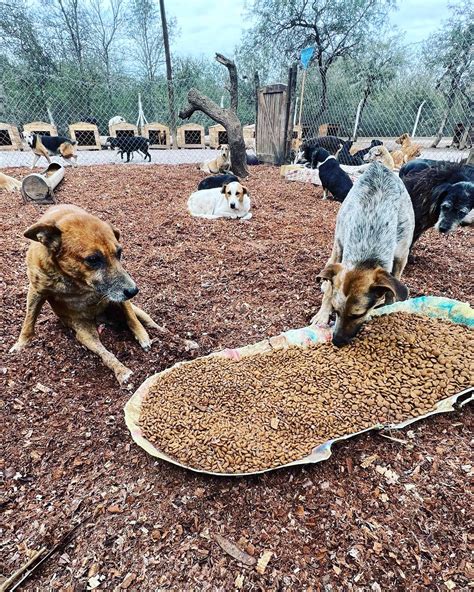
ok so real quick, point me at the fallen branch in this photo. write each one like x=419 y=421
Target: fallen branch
x=9 y=581
x=65 y=540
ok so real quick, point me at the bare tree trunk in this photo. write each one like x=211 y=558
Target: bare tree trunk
x=226 y=117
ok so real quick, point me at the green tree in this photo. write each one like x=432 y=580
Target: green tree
x=449 y=52
x=335 y=29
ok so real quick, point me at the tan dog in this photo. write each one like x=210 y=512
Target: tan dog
x=74 y=264
x=9 y=183
x=382 y=155
x=221 y=164
x=410 y=151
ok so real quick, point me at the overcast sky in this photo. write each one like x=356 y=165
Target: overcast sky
x=207 y=26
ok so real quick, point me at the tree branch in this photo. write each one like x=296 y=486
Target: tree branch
x=234 y=90
x=199 y=102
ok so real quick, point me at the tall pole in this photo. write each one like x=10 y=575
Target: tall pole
x=169 y=72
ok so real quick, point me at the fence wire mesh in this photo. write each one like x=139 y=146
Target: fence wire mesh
x=359 y=97
x=62 y=100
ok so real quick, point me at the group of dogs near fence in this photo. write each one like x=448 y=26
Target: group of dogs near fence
x=383 y=213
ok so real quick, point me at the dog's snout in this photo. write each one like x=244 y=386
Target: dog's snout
x=340 y=340
x=130 y=292
x=233 y=206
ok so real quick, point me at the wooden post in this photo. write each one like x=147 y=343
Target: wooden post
x=169 y=72
x=256 y=80
x=302 y=96
x=290 y=108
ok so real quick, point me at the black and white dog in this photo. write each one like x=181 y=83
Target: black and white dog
x=333 y=178
x=217 y=181
x=442 y=196
x=357 y=159
x=129 y=144
x=330 y=143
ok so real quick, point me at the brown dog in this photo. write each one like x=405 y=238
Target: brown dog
x=409 y=150
x=74 y=264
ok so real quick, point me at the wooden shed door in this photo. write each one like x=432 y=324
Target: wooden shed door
x=272 y=123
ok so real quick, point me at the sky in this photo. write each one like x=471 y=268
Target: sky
x=209 y=26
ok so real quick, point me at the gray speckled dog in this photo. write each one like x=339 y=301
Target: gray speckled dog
x=374 y=230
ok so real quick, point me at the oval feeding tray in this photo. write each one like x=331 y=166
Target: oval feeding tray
x=286 y=400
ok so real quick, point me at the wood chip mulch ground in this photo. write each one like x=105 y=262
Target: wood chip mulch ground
x=379 y=515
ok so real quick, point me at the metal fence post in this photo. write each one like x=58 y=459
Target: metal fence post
x=417 y=119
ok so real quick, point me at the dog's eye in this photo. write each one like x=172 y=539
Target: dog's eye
x=353 y=317
x=95 y=260
x=118 y=254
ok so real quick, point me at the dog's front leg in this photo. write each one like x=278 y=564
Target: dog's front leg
x=135 y=326
x=86 y=333
x=323 y=314
x=34 y=302
x=147 y=321
x=35 y=160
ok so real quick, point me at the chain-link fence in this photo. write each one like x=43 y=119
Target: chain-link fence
x=412 y=102
x=65 y=105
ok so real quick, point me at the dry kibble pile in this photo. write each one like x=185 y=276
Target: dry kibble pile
x=267 y=410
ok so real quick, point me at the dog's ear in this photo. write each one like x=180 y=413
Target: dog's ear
x=48 y=235
x=224 y=188
x=115 y=231
x=385 y=282
x=245 y=191
x=439 y=192
x=219 y=147
x=329 y=272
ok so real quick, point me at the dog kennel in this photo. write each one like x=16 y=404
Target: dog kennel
x=217 y=136
x=123 y=130
x=158 y=134
x=86 y=135
x=9 y=137
x=41 y=128
x=190 y=135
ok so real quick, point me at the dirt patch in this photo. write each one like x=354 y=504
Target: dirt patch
x=379 y=513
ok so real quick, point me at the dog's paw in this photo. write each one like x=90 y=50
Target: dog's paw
x=19 y=345
x=320 y=318
x=190 y=344
x=123 y=374
x=145 y=343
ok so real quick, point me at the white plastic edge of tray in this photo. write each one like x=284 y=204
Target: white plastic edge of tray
x=320 y=452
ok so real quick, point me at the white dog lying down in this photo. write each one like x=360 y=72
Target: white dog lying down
x=230 y=201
